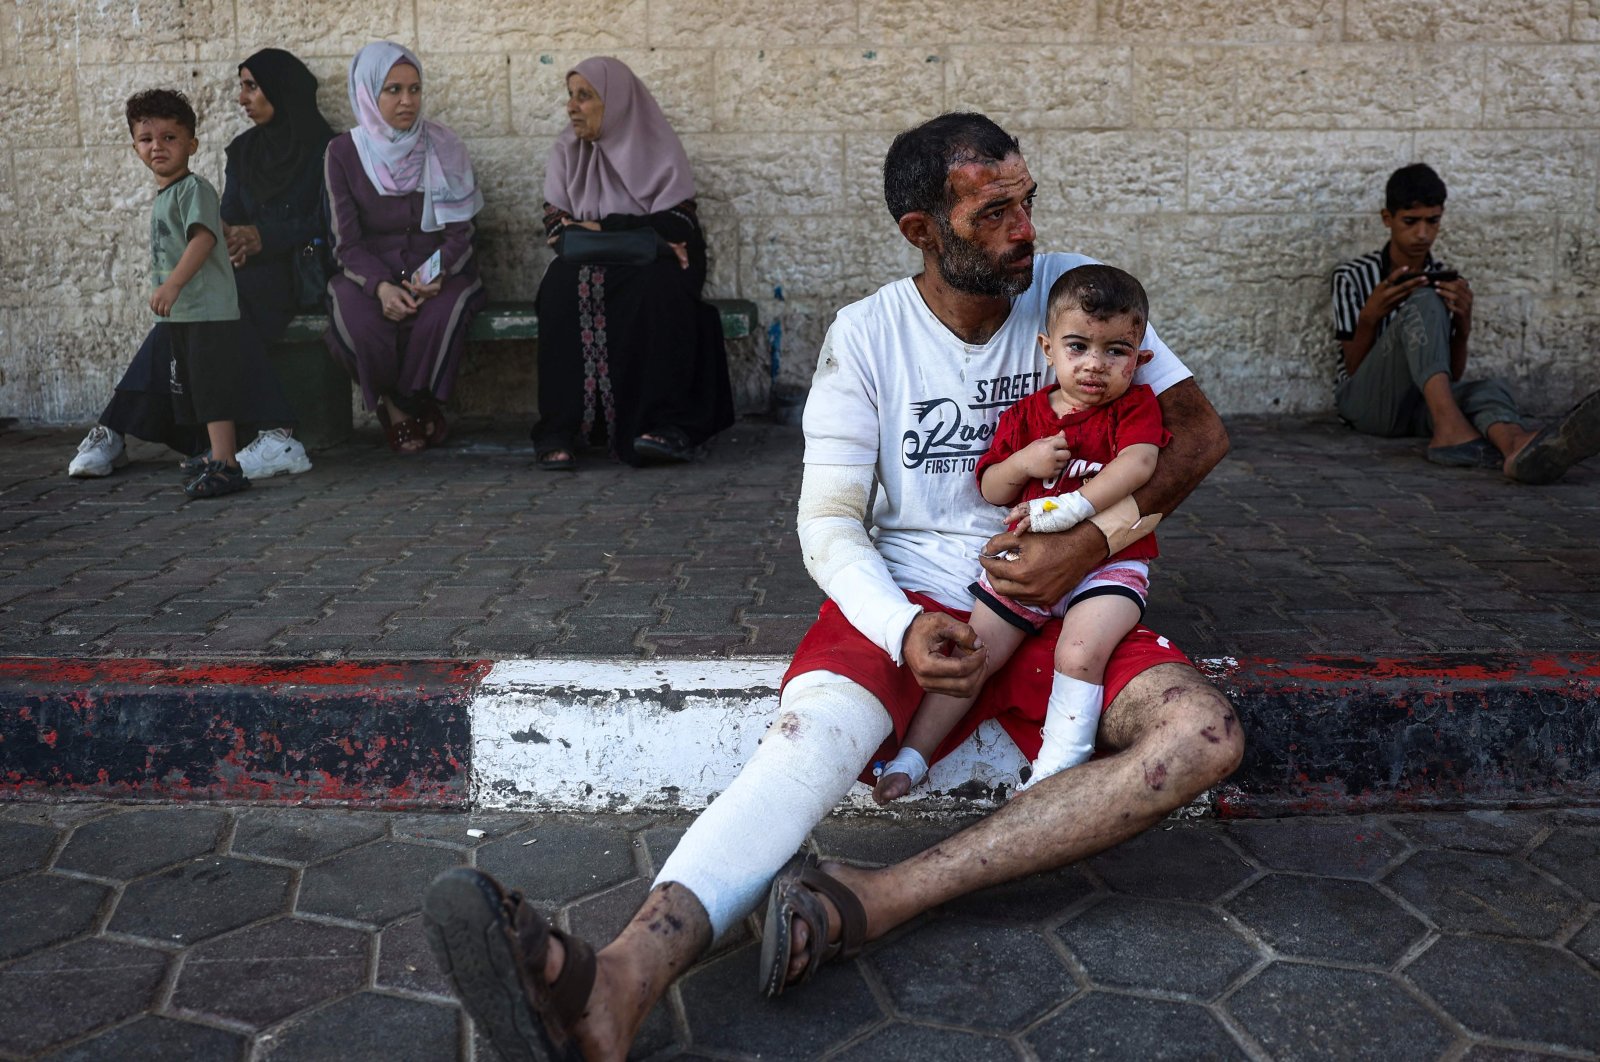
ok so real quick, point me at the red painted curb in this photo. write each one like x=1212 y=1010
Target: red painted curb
x=388 y=734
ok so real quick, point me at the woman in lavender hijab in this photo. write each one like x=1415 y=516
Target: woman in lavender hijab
x=400 y=187
x=630 y=352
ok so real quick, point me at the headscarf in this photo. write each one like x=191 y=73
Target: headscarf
x=273 y=155
x=398 y=161
x=636 y=165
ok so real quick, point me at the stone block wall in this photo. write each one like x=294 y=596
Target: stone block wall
x=1229 y=152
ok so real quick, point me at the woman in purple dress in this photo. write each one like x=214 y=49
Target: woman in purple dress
x=400 y=188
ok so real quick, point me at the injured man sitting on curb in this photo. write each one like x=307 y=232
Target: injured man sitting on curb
x=909 y=385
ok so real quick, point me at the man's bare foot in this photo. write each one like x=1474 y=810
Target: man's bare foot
x=891 y=787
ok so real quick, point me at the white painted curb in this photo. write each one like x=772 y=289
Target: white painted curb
x=574 y=735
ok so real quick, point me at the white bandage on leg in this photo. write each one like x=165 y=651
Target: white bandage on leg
x=1123 y=525
x=827 y=728
x=1070 y=724
x=909 y=762
x=1058 y=513
x=840 y=557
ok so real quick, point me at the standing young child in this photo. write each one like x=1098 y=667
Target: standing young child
x=1058 y=457
x=194 y=288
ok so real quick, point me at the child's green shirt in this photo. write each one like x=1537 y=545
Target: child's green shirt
x=210 y=294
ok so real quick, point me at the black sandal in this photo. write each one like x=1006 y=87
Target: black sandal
x=664 y=446
x=565 y=462
x=492 y=945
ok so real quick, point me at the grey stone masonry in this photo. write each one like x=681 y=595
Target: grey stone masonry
x=1443 y=936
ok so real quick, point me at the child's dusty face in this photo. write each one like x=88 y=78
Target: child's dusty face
x=165 y=146
x=1094 y=360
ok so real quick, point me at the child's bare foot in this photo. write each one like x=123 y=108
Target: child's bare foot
x=891 y=787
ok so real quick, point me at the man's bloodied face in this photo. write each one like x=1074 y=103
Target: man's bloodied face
x=986 y=240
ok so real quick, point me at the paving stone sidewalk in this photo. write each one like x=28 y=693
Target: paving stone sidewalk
x=1308 y=539
x=217 y=933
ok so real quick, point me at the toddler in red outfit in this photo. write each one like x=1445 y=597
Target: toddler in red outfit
x=1059 y=456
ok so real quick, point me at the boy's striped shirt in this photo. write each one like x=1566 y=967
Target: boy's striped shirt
x=1353 y=284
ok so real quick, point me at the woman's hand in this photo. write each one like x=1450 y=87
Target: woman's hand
x=592 y=226
x=243 y=241
x=682 y=251
x=397 y=304
x=420 y=293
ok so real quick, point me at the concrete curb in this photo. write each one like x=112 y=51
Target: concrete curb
x=1325 y=734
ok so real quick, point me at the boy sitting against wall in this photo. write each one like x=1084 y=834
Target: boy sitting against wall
x=1403 y=320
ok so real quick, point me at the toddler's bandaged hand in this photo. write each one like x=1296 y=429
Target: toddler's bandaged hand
x=1058 y=513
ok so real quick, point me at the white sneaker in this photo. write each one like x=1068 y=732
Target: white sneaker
x=101 y=452
x=273 y=452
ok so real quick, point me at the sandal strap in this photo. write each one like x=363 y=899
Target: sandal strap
x=569 y=992
x=852 y=916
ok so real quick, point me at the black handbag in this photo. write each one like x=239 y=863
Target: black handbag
x=311 y=269
x=633 y=247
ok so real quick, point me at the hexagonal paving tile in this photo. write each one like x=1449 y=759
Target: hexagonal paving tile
x=1104 y=1025
x=1133 y=943
x=266 y=973
x=1464 y=892
x=878 y=842
x=1035 y=898
x=1473 y=831
x=1324 y=918
x=392 y=1029
x=1317 y=1012
x=42 y=909
x=723 y=1014
x=1181 y=863
x=134 y=843
x=154 y=1038
x=902 y=1040
x=201 y=899
x=23 y=847
x=404 y=960
x=1517 y=990
x=377 y=884
x=599 y=918
x=984 y=977
x=452 y=826
x=566 y=861
x=1355 y=847
x=1586 y=942
x=302 y=835
x=63 y=993
x=1573 y=855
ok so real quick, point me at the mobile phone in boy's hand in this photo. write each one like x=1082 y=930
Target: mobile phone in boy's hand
x=1442 y=275
x=427 y=272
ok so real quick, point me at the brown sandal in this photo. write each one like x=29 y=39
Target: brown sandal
x=794 y=894
x=492 y=945
x=403 y=435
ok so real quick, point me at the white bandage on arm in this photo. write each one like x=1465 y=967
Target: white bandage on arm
x=1060 y=513
x=1123 y=525
x=839 y=555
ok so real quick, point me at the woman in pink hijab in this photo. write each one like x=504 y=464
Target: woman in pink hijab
x=401 y=191
x=627 y=353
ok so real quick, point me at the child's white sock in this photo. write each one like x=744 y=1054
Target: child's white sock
x=1070 y=723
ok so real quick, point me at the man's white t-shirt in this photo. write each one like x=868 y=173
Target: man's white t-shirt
x=896 y=389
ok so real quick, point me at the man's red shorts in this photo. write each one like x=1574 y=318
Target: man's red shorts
x=1015 y=697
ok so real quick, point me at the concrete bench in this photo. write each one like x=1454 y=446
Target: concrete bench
x=319 y=387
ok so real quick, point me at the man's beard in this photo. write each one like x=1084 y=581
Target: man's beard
x=965 y=267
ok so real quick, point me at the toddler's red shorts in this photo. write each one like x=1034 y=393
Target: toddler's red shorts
x=1015 y=697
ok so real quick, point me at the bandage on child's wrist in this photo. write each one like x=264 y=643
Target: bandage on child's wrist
x=1059 y=513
